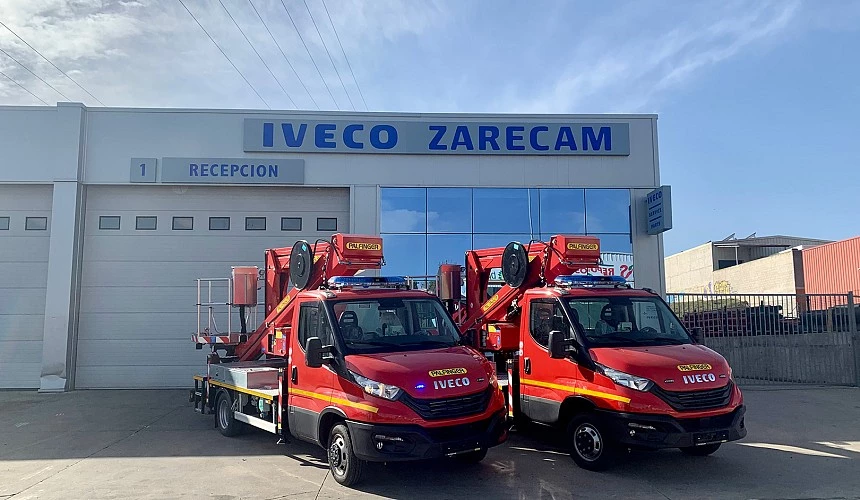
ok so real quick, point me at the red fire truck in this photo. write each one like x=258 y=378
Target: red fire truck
x=361 y=365
x=610 y=366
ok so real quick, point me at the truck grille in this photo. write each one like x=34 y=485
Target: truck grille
x=463 y=406
x=695 y=400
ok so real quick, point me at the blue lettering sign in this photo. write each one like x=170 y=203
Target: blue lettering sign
x=323 y=135
x=565 y=139
x=533 y=138
x=434 y=142
x=290 y=138
x=511 y=137
x=193 y=168
x=349 y=136
x=462 y=138
x=604 y=136
x=268 y=135
x=488 y=135
x=376 y=140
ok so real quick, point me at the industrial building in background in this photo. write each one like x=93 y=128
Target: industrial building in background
x=755 y=264
x=107 y=215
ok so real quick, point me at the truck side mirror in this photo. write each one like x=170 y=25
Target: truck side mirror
x=696 y=334
x=559 y=346
x=314 y=352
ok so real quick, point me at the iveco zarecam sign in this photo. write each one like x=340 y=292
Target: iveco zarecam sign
x=447 y=136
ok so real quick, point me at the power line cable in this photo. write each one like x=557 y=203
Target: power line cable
x=309 y=54
x=258 y=54
x=23 y=87
x=344 y=55
x=34 y=74
x=225 y=55
x=284 y=54
x=330 y=58
x=52 y=64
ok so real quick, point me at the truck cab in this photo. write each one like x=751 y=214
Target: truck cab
x=360 y=365
x=610 y=366
x=615 y=368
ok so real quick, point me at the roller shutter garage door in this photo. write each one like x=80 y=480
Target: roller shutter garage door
x=23 y=277
x=138 y=288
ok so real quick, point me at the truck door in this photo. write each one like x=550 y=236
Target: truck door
x=542 y=378
x=309 y=389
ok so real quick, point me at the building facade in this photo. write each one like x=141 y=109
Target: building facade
x=108 y=215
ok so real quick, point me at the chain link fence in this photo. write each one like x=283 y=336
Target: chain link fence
x=778 y=339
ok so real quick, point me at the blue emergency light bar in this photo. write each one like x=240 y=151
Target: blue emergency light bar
x=367 y=281
x=586 y=280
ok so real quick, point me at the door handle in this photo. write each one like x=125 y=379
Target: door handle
x=294 y=375
x=527 y=365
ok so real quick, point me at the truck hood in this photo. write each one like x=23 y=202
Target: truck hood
x=672 y=367
x=429 y=374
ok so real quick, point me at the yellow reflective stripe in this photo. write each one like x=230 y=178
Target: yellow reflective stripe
x=575 y=390
x=344 y=402
x=198 y=378
x=252 y=392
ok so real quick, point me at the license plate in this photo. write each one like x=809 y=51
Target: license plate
x=703 y=438
x=459 y=448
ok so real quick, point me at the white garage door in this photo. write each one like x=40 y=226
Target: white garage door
x=138 y=289
x=25 y=230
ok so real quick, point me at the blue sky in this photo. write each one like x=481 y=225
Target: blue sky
x=757 y=100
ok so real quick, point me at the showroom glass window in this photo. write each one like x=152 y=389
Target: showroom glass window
x=425 y=227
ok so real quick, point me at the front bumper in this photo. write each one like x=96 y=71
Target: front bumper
x=389 y=443
x=662 y=431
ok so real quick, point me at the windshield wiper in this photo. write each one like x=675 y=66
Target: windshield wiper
x=663 y=340
x=374 y=342
x=616 y=338
x=429 y=342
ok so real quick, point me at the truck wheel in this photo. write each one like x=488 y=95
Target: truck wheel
x=701 y=451
x=344 y=465
x=227 y=425
x=472 y=457
x=591 y=449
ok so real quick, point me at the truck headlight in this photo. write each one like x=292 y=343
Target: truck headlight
x=375 y=388
x=625 y=379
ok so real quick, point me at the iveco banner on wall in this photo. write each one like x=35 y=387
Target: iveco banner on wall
x=436 y=137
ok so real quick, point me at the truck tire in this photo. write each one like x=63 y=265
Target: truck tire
x=224 y=420
x=473 y=457
x=701 y=451
x=344 y=465
x=590 y=447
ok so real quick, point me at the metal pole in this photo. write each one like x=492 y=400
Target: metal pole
x=855 y=338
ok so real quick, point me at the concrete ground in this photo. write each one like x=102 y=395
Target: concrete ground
x=802 y=443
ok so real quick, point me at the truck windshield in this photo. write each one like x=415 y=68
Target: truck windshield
x=393 y=324
x=626 y=321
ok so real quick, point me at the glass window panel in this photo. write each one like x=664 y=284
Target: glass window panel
x=562 y=211
x=449 y=210
x=505 y=210
x=405 y=254
x=497 y=240
x=326 y=224
x=36 y=224
x=607 y=210
x=614 y=243
x=404 y=210
x=446 y=249
x=4 y=223
x=255 y=223
x=219 y=223
x=291 y=223
x=109 y=222
x=183 y=223
x=146 y=223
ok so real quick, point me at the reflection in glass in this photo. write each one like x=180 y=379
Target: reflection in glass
x=506 y=210
x=607 y=210
x=404 y=210
x=498 y=240
x=562 y=211
x=446 y=249
x=614 y=242
x=405 y=254
x=449 y=210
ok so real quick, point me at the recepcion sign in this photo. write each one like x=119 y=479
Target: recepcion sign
x=447 y=136
x=659 y=209
x=233 y=170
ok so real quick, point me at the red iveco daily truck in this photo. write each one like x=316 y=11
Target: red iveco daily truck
x=362 y=366
x=609 y=366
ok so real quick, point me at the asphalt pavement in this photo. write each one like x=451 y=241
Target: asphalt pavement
x=802 y=443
